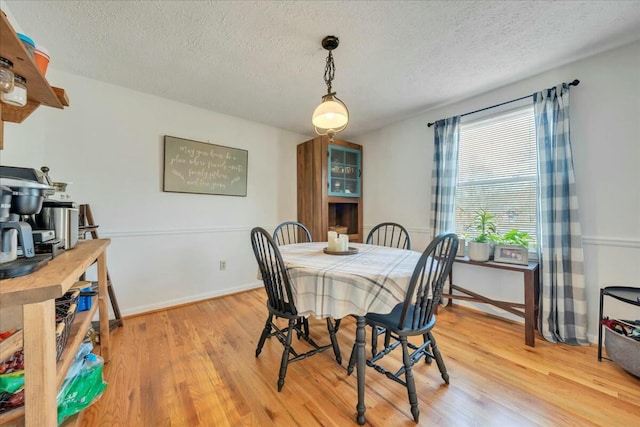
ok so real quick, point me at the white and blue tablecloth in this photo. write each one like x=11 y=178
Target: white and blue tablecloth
x=373 y=280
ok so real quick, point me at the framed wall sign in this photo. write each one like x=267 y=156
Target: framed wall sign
x=199 y=167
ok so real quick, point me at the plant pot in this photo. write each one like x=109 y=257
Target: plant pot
x=461 y=243
x=479 y=251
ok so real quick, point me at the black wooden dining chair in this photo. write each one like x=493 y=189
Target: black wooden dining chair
x=287 y=233
x=389 y=234
x=415 y=316
x=393 y=235
x=280 y=303
x=290 y=232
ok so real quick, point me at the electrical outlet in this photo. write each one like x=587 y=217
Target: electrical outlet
x=223 y=265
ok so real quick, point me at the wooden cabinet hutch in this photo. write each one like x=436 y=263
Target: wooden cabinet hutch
x=330 y=187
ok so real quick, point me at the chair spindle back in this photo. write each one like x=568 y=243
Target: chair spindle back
x=273 y=271
x=427 y=282
x=389 y=234
x=291 y=232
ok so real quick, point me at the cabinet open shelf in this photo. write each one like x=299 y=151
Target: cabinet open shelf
x=78 y=332
x=39 y=92
x=11 y=48
x=12 y=416
x=11 y=345
x=34 y=294
x=345 y=213
x=79 y=329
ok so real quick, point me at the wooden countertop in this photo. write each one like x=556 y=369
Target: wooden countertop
x=55 y=278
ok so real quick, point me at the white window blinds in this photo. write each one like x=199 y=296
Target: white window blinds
x=497 y=171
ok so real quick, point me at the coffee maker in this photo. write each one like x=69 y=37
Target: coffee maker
x=61 y=220
x=20 y=199
x=55 y=225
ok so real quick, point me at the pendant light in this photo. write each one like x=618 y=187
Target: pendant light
x=332 y=115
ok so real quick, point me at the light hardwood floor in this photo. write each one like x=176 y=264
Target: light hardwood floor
x=196 y=366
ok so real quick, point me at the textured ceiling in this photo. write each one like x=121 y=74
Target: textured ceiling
x=262 y=60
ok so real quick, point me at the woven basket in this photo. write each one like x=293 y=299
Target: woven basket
x=65 y=313
x=623 y=350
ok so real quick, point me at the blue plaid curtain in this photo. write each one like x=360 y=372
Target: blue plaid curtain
x=563 y=305
x=445 y=175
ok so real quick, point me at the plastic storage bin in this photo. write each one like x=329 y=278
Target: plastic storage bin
x=28 y=44
x=41 y=56
x=85 y=300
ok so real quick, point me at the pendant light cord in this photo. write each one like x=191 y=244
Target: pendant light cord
x=329 y=71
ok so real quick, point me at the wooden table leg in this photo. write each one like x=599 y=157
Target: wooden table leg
x=105 y=341
x=531 y=292
x=40 y=364
x=360 y=367
x=529 y=308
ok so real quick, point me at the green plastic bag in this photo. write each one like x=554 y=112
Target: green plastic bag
x=10 y=383
x=83 y=390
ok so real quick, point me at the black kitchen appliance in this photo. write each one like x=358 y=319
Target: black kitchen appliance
x=55 y=225
x=20 y=199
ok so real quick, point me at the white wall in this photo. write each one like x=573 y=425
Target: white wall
x=605 y=132
x=166 y=247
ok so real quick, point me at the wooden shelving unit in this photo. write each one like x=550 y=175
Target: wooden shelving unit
x=39 y=92
x=78 y=331
x=35 y=293
x=11 y=345
x=316 y=209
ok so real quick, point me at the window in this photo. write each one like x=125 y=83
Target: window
x=497 y=171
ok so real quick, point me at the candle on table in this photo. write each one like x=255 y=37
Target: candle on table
x=344 y=242
x=337 y=245
x=331 y=237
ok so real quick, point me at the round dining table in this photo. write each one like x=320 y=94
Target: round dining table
x=366 y=279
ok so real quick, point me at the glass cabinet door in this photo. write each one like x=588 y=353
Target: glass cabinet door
x=344 y=171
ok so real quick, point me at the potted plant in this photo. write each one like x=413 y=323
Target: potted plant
x=513 y=247
x=480 y=246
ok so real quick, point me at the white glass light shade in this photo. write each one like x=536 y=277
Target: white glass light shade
x=330 y=116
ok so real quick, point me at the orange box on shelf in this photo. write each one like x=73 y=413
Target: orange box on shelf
x=41 y=56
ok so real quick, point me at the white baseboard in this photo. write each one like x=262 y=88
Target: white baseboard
x=189 y=299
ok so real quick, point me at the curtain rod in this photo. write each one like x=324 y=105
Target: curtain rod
x=576 y=82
